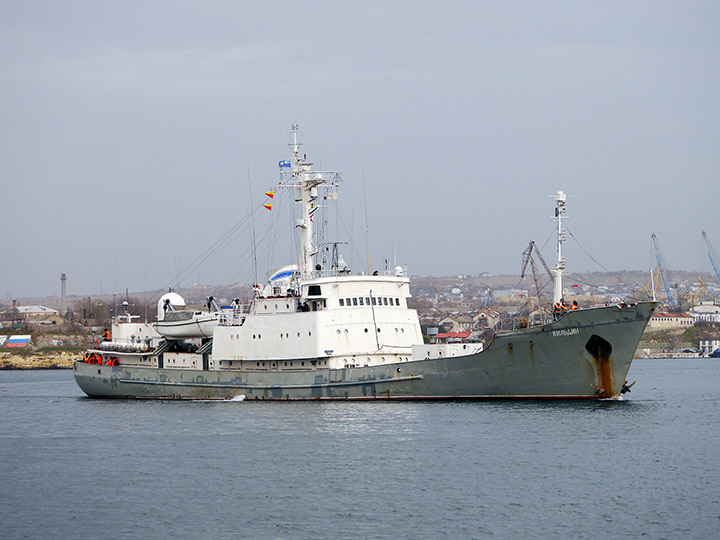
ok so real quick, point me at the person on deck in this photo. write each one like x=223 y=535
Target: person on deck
x=106 y=335
x=574 y=306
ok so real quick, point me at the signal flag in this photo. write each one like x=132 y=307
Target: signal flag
x=268 y=205
x=270 y=194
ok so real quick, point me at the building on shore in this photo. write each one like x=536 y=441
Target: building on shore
x=31 y=314
x=670 y=321
x=706 y=312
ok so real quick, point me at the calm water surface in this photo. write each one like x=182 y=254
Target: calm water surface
x=72 y=467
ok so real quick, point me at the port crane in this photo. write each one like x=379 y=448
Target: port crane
x=712 y=255
x=662 y=271
x=489 y=298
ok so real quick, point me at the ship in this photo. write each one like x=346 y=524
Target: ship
x=317 y=331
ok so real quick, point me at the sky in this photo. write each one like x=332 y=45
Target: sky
x=134 y=135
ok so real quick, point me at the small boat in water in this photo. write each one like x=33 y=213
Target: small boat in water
x=318 y=332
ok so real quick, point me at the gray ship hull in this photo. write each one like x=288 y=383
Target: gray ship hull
x=584 y=355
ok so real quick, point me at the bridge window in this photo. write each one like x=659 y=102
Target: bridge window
x=342 y=302
x=314 y=290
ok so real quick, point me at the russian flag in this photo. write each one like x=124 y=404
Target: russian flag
x=18 y=341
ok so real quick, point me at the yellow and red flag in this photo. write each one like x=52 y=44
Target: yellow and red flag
x=268 y=206
x=270 y=194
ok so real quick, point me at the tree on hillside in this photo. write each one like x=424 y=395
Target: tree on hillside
x=92 y=309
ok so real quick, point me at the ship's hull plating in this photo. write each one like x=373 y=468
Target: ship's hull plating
x=584 y=355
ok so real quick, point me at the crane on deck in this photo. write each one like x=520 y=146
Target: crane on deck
x=528 y=258
x=662 y=272
x=712 y=255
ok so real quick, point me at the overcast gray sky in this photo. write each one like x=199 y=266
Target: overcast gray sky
x=127 y=130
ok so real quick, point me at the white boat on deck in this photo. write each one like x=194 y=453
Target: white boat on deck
x=188 y=324
x=176 y=323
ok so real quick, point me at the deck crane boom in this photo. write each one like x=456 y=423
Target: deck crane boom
x=712 y=255
x=662 y=270
x=528 y=258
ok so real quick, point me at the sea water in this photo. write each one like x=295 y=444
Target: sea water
x=645 y=466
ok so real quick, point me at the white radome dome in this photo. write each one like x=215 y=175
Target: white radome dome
x=175 y=299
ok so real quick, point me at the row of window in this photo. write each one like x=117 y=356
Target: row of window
x=367 y=301
x=296 y=363
x=259 y=336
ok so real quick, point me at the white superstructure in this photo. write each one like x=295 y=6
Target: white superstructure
x=320 y=316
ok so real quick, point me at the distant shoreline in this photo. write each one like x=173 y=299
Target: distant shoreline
x=59 y=360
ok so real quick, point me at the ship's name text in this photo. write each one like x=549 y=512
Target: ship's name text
x=566 y=332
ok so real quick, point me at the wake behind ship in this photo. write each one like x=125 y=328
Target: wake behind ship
x=318 y=332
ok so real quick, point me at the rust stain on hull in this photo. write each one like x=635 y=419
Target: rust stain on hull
x=605 y=377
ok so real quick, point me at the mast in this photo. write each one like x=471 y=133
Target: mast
x=306 y=181
x=560 y=266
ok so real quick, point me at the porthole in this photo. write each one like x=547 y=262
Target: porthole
x=287 y=335
x=258 y=364
x=253 y=336
x=265 y=306
x=346 y=330
x=378 y=330
x=298 y=334
x=396 y=330
x=302 y=363
x=231 y=336
x=402 y=330
x=309 y=334
x=338 y=331
x=366 y=330
x=291 y=364
x=259 y=336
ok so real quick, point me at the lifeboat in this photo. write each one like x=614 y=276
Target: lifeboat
x=187 y=324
